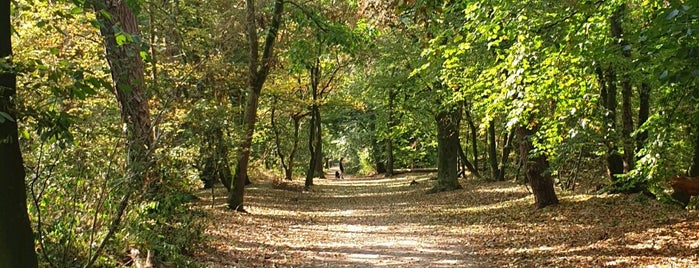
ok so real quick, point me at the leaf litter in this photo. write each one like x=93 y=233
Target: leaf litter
x=386 y=222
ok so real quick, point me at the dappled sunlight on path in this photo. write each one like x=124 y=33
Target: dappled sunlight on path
x=386 y=222
x=338 y=223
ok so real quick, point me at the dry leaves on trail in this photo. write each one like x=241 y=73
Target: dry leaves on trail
x=387 y=222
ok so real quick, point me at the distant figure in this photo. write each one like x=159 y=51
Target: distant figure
x=337 y=174
x=342 y=168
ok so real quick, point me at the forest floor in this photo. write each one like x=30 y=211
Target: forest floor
x=373 y=221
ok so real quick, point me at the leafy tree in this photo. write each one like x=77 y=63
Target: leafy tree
x=258 y=69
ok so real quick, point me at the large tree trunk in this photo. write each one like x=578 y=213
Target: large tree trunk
x=127 y=71
x=448 y=150
x=16 y=236
x=536 y=168
x=258 y=70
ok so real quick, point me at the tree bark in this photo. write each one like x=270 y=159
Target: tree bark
x=447 y=146
x=127 y=70
x=16 y=236
x=536 y=168
x=257 y=74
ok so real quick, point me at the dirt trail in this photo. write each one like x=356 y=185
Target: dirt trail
x=354 y=222
x=375 y=222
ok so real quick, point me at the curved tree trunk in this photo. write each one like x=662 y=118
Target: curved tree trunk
x=16 y=236
x=448 y=149
x=536 y=168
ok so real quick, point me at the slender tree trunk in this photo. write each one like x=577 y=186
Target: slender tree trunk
x=223 y=168
x=505 y=155
x=377 y=146
x=16 y=236
x=617 y=32
x=466 y=164
x=536 y=168
x=318 y=169
x=492 y=152
x=258 y=71
x=474 y=138
x=615 y=162
x=312 y=146
x=643 y=112
x=278 y=141
x=294 y=146
x=447 y=146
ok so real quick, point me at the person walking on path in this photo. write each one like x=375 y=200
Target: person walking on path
x=342 y=168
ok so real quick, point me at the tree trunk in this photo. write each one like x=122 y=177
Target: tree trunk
x=392 y=123
x=389 y=157
x=312 y=147
x=16 y=236
x=505 y=155
x=643 y=112
x=318 y=170
x=536 y=168
x=614 y=161
x=223 y=168
x=127 y=71
x=492 y=152
x=377 y=147
x=617 y=32
x=258 y=70
x=294 y=146
x=465 y=164
x=447 y=146
x=474 y=138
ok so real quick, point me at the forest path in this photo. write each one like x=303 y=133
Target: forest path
x=352 y=222
x=381 y=222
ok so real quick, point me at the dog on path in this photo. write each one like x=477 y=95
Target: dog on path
x=337 y=174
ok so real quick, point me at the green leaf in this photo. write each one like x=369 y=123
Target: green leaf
x=76 y=10
x=120 y=38
x=5 y=116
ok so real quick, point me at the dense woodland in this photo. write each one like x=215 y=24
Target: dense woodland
x=114 y=113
